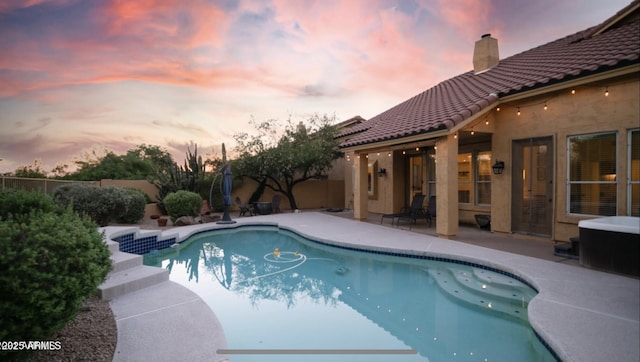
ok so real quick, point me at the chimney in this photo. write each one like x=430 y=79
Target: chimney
x=485 y=54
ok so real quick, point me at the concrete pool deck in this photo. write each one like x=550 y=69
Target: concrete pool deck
x=583 y=314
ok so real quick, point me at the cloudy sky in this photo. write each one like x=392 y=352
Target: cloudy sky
x=77 y=75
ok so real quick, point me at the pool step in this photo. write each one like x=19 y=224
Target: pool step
x=128 y=274
x=113 y=246
x=123 y=261
x=464 y=286
x=130 y=280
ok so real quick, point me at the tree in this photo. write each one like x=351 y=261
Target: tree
x=137 y=164
x=34 y=170
x=303 y=152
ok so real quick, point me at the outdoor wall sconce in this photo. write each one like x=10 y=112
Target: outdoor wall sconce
x=382 y=172
x=498 y=167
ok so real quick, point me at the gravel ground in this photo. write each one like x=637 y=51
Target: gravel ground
x=91 y=336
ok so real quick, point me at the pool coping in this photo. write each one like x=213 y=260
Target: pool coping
x=582 y=314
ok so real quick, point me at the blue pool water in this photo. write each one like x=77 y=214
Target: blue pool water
x=307 y=297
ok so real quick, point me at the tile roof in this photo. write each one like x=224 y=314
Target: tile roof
x=454 y=100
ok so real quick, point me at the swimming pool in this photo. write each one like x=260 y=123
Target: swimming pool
x=273 y=290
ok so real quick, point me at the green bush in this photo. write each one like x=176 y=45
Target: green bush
x=52 y=260
x=182 y=203
x=135 y=203
x=102 y=204
x=20 y=203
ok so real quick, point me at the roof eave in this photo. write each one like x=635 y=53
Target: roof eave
x=544 y=88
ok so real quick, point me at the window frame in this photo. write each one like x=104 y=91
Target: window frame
x=630 y=180
x=477 y=181
x=570 y=182
x=474 y=181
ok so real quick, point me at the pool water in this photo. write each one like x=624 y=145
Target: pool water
x=273 y=290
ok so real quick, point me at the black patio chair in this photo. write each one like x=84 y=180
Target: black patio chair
x=244 y=208
x=431 y=209
x=414 y=209
x=418 y=213
x=275 y=203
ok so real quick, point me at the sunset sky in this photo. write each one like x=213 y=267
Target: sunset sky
x=77 y=75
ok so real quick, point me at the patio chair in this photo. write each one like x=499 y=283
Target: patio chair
x=414 y=209
x=431 y=209
x=244 y=208
x=418 y=213
x=275 y=203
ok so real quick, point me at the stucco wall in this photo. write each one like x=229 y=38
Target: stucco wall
x=311 y=194
x=587 y=111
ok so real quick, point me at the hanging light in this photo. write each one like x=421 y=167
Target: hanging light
x=518 y=111
x=606 y=92
x=545 y=106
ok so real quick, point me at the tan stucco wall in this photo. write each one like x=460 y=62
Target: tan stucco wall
x=586 y=111
x=311 y=194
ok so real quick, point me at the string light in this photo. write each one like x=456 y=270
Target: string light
x=498 y=109
x=404 y=152
x=389 y=154
x=486 y=121
x=573 y=91
x=417 y=148
x=606 y=92
x=472 y=132
x=545 y=106
x=518 y=111
x=455 y=135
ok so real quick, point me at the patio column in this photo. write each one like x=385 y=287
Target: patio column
x=447 y=186
x=360 y=188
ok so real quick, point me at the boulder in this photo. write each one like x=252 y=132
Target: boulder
x=185 y=220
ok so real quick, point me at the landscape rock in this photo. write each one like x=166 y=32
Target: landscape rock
x=185 y=220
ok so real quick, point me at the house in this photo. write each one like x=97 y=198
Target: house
x=538 y=141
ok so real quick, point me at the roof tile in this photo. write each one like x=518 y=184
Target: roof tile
x=454 y=100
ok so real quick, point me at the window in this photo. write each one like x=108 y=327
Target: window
x=483 y=178
x=372 y=180
x=474 y=177
x=592 y=174
x=464 y=178
x=634 y=174
x=431 y=173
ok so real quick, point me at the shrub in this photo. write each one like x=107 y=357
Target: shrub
x=20 y=203
x=135 y=203
x=102 y=204
x=52 y=260
x=182 y=203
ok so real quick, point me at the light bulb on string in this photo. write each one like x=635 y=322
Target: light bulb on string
x=518 y=111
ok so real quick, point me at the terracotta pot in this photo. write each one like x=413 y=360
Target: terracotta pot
x=162 y=221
